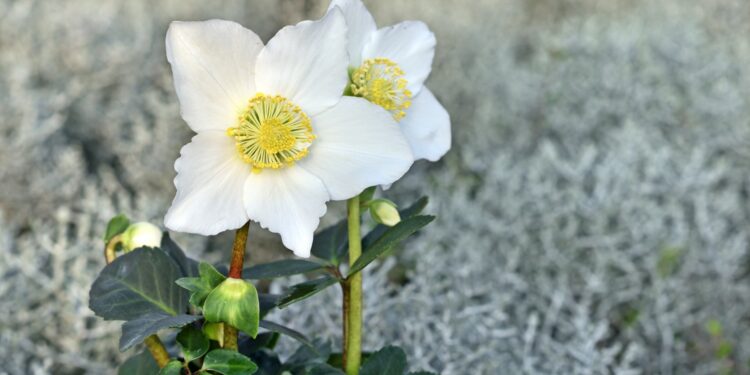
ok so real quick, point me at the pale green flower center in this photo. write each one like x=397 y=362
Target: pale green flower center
x=272 y=132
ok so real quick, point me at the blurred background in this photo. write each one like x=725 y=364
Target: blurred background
x=593 y=214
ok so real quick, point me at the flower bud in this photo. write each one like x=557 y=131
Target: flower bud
x=234 y=302
x=139 y=235
x=384 y=212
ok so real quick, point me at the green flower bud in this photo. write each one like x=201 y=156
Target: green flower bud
x=234 y=302
x=139 y=235
x=384 y=212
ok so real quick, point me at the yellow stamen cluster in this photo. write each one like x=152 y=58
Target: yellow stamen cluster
x=272 y=132
x=381 y=81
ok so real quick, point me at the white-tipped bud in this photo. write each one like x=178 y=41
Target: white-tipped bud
x=139 y=235
x=384 y=212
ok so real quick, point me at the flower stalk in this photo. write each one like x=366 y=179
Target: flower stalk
x=235 y=272
x=352 y=352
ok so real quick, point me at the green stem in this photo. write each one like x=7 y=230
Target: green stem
x=353 y=318
x=157 y=349
x=153 y=343
x=235 y=271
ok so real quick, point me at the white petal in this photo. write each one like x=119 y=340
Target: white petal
x=410 y=44
x=210 y=182
x=427 y=127
x=306 y=63
x=288 y=201
x=213 y=64
x=361 y=27
x=357 y=145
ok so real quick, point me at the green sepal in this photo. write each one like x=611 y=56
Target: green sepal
x=193 y=342
x=200 y=287
x=229 y=362
x=173 y=367
x=116 y=225
x=214 y=331
x=234 y=302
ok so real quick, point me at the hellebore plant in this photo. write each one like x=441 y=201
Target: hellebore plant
x=326 y=110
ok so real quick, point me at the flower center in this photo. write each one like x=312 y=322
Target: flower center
x=381 y=81
x=272 y=132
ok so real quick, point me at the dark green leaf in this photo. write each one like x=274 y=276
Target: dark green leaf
x=306 y=289
x=390 y=238
x=136 y=330
x=391 y=360
x=248 y=345
x=200 y=287
x=228 y=362
x=330 y=243
x=116 y=225
x=275 y=327
x=138 y=283
x=267 y=361
x=415 y=209
x=193 y=342
x=173 y=367
x=324 y=369
x=267 y=302
x=142 y=364
x=234 y=302
x=188 y=266
x=366 y=196
x=306 y=355
x=286 y=267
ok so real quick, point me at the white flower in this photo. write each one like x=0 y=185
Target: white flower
x=276 y=139
x=388 y=67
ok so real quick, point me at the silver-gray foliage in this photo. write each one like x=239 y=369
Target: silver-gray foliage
x=592 y=216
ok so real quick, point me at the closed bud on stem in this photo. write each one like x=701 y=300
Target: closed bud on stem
x=234 y=302
x=141 y=234
x=384 y=212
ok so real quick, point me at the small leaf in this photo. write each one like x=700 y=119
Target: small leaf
x=142 y=364
x=391 y=360
x=200 y=287
x=228 y=362
x=306 y=289
x=116 y=225
x=173 y=367
x=413 y=210
x=136 y=330
x=234 y=302
x=188 y=266
x=193 y=342
x=390 y=238
x=138 y=283
x=286 y=267
x=275 y=327
x=330 y=243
